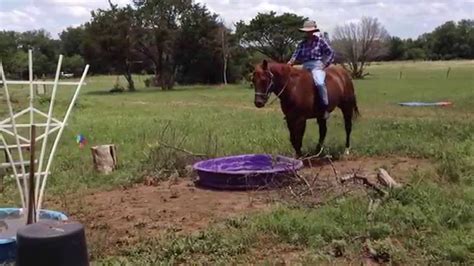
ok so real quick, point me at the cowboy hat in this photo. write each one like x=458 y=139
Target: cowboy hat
x=309 y=26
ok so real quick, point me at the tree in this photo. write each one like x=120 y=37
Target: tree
x=108 y=41
x=45 y=50
x=396 y=49
x=452 y=40
x=225 y=51
x=8 y=48
x=415 y=54
x=272 y=35
x=199 y=43
x=182 y=39
x=156 y=33
x=14 y=48
x=72 y=41
x=360 y=43
x=73 y=64
x=238 y=60
x=18 y=64
x=466 y=30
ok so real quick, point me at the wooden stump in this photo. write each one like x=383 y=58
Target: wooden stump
x=40 y=89
x=387 y=180
x=104 y=158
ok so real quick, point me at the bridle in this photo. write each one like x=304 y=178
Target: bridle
x=269 y=89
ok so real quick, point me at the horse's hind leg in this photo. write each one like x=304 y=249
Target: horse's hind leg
x=297 y=129
x=322 y=135
x=347 y=113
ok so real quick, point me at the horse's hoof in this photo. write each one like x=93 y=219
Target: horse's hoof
x=347 y=152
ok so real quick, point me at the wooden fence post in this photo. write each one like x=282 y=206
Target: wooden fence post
x=447 y=73
x=104 y=158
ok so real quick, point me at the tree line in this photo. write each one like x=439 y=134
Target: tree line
x=182 y=42
x=450 y=40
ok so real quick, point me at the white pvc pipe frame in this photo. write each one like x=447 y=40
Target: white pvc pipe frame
x=39 y=189
x=17 y=176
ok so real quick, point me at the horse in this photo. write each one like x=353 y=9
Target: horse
x=297 y=93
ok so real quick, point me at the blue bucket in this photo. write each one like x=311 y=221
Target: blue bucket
x=8 y=245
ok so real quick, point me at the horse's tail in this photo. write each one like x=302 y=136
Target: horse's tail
x=351 y=96
x=355 y=107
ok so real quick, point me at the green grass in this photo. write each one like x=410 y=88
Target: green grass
x=430 y=222
x=417 y=222
x=415 y=225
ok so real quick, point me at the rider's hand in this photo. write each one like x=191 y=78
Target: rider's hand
x=291 y=62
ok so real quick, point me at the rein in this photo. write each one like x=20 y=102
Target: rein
x=281 y=91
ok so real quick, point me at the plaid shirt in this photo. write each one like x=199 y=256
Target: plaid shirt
x=314 y=49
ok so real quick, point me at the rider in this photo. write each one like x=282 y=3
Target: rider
x=310 y=52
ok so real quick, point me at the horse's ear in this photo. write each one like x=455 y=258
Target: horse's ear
x=265 y=64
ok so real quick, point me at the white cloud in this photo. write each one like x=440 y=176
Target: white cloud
x=16 y=18
x=52 y=15
x=267 y=7
x=78 y=11
x=403 y=18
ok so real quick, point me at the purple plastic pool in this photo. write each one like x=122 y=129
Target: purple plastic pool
x=245 y=171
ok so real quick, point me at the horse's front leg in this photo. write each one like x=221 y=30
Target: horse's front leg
x=297 y=128
x=322 y=135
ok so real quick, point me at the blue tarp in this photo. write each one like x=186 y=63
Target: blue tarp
x=414 y=104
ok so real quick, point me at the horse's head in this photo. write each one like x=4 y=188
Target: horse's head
x=262 y=80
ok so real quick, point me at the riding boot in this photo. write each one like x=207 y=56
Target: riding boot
x=323 y=99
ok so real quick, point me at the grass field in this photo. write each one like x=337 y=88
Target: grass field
x=430 y=221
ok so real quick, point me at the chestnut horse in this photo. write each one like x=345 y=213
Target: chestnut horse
x=297 y=92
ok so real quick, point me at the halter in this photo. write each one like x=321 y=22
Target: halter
x=269 y=89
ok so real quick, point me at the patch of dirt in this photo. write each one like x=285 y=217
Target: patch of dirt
x=400 y=168
x=122 y=217
x=321 y=181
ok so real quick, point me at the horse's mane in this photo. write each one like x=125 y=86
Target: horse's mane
x=294 y=71
x=282 y=68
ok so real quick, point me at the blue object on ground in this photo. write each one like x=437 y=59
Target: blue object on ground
x=415 y=104
x=8 y=242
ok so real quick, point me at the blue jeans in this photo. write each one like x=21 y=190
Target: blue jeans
x=316 y=68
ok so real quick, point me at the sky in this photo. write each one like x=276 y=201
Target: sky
x=403 y=18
